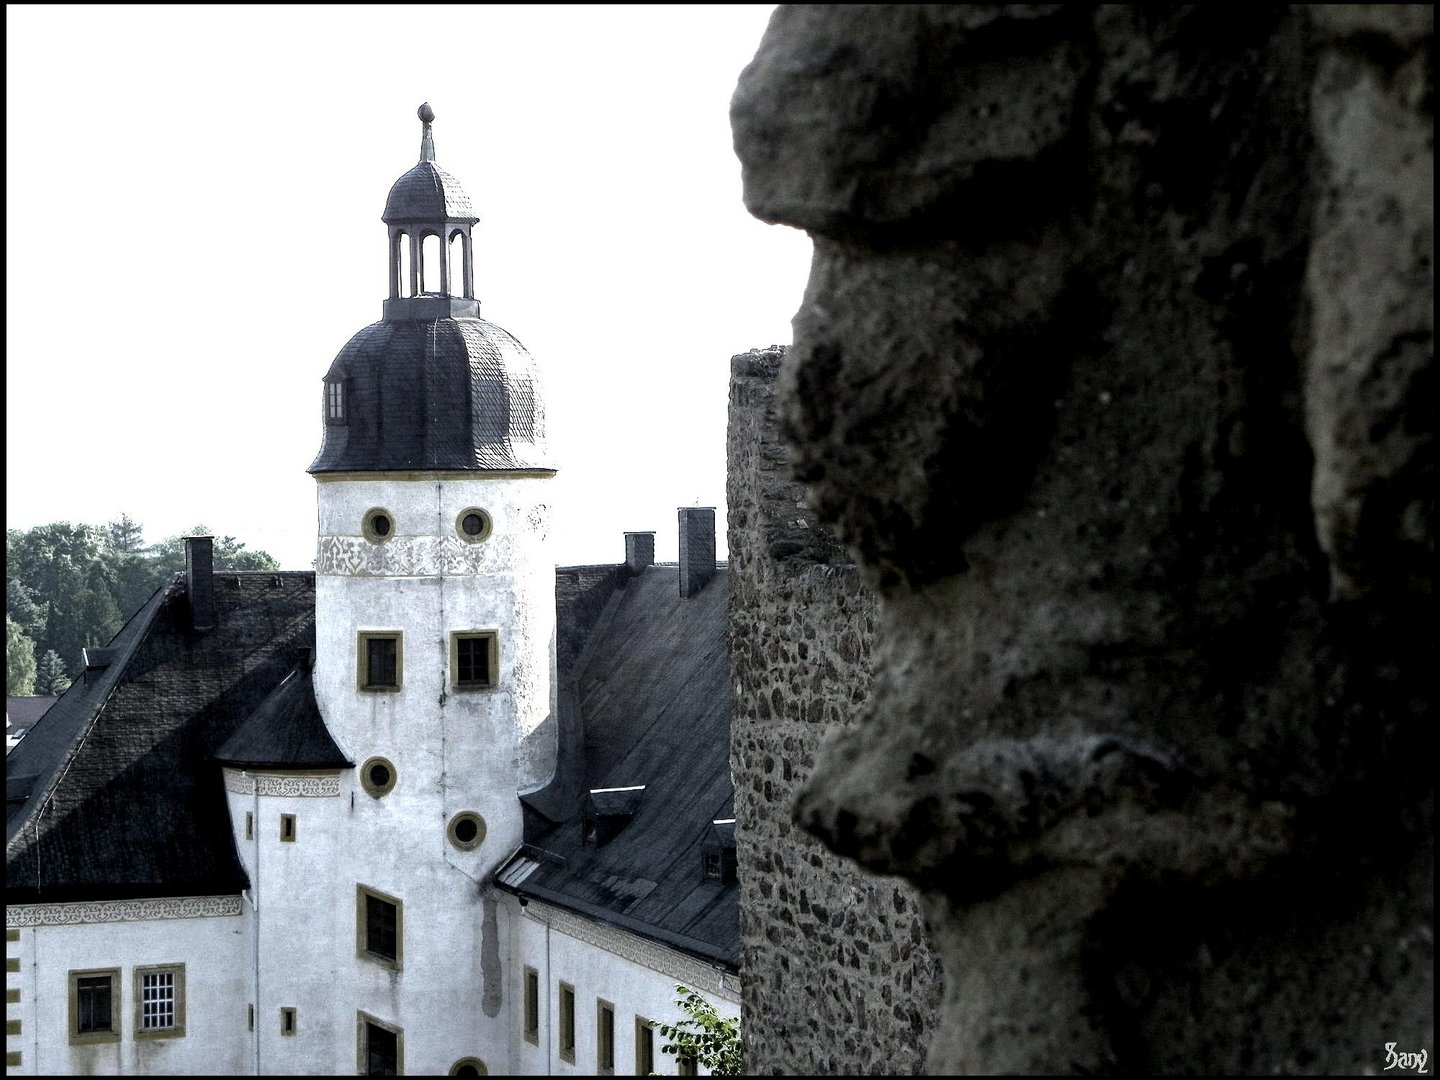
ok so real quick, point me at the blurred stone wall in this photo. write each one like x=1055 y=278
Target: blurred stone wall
x=1115 y=375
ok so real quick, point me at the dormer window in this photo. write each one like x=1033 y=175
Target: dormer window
x=335 y=401
x=717 y=852
x=607 y=811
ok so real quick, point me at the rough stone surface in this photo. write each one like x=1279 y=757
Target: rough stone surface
x=1115 y=373
x=839 y=973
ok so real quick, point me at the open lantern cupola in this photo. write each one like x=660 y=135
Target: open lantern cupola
x=430 y=280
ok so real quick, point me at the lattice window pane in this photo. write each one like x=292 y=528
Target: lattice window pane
x=157 y=1001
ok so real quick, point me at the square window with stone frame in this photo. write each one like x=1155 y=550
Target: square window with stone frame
x=381 y=1047
x=379 y=927
x=95 y=1006
x=160 y=1001
x=379 y=659
x=474 y=659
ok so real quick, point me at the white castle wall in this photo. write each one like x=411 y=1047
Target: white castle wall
x=206 y=934
x=636 y=976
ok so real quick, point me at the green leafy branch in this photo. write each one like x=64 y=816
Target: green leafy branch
x=706 y=1038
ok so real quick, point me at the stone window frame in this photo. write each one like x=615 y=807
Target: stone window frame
x=565 y=1029
x=72 y=981
x=367 y=525
x=492 y=639
x=487 y=525
x=289 y=828
x=176 y=1029
x=644 y=1045
x=364 y=1020
x=289 y=1020
x=362 y=931
x=374 y=790
x=362 y=660
x=479 y=1067
x=452 y=830
x=530 y=991
x=604 y=1037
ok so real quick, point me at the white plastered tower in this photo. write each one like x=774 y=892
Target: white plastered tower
x=435 y=641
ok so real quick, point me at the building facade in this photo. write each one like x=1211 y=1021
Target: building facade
x=310 y=823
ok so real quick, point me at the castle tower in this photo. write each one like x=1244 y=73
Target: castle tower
x=435 y=625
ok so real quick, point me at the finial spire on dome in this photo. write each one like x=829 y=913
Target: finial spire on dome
x=427 y=141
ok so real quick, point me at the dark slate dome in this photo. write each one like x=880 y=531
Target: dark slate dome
x=427 y=193
x=434 y=394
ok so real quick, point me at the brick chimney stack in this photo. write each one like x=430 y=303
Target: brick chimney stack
x=200 y=580
x=639 y=551
x=697 y=548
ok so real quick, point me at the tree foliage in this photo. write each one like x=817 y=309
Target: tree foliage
x=705 y=1037
x=71 y=586
x=19 y=661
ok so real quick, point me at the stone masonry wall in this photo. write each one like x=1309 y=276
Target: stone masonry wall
x=839 y=976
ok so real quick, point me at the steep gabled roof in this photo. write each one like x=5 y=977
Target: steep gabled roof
x=652 y=695
x=126 y=799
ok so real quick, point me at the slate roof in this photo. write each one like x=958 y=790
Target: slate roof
x=436 y=394
x=652 y=698
x=115 y=793
x=24 y=711
x=285 y=732
x=427 y=193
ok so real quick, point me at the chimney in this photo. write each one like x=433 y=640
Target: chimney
x=697 y=548
x=639 y=551
x=199 y=580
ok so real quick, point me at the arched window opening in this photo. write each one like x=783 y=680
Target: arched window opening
x=460 y=265
x=430 y=264
x=407 y=285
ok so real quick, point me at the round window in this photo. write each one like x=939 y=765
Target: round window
x=377 y=776
x=473 y=524
x=378 y=525
x=467 y=830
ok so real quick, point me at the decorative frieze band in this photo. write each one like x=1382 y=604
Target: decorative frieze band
x=243 y=783
x=674 y=965
x=430 y=556
x=113 y=911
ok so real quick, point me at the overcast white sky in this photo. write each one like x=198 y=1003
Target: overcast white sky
x=193 y=199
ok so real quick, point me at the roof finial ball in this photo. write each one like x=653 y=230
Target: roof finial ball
x=427 y=142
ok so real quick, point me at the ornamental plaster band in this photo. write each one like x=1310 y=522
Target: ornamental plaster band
x=288 y=785
x=114 y=911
